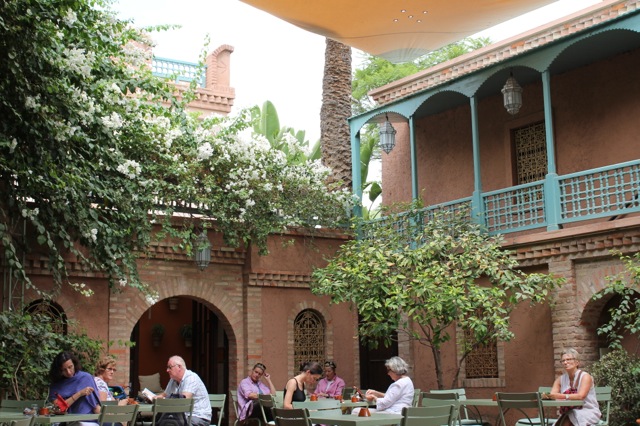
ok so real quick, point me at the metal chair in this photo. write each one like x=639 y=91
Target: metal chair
x=521 y=402
x=442 y=398
x=436 y=415
x=463 y=413
x=267 y=404
x=27 y=421
x=293 y=417
x=603 y=395
x=234 y=400
x=417 y=398
x=279 y=398
x=114 y=413
x=172 y=405
x=347 y=393
x=324 y=405
x=217 y=401
x=11 y=405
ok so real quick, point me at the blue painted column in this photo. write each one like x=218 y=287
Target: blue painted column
x=477 y=208
x=415 y=193
x=356 y=171
x=551 y=186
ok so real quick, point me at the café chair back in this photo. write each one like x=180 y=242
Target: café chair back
x=463 y=413
x=267 y=404
x=279 y=399
x=172 y=405
x=435 y=415
x=293 y=417
x=217 y=401
x=114 y=413
x=603 y=395
x=324 y=405
x=347 y=393
x=27 y=421
x=536 y=421
x=234 y=401
x=417 y=396
x=13 y=406
x=524 y=403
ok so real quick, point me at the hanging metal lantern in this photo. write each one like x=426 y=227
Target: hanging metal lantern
x=202 y=251
x=387 y=136
x=512 y=93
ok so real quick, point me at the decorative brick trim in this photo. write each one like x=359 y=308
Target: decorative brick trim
x=279 y=279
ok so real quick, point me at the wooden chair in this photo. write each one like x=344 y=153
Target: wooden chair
x=114 y=413
x=603 y=395
x=463 y=413
x=521 y=402
x=27 y=421
x=436 y=415
x=217 y=401
x=172 y=405
x=294 y=417
x=267 y=404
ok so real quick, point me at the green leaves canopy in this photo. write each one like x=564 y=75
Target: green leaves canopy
x=420 y=278
x=95 y=150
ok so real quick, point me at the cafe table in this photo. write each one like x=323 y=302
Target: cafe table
x=333 y=418
x=546 y=403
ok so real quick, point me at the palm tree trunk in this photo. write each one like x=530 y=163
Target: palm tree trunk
x=336 y=108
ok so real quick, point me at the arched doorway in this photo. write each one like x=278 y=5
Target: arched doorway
x=206 y=352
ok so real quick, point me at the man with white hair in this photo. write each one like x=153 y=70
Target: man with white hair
x=186 y=382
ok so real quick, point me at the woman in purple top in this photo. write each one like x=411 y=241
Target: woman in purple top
x=330 y=385
x=249 y=389
x=76 y=387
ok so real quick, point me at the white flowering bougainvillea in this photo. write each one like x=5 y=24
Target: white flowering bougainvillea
x=91 y=157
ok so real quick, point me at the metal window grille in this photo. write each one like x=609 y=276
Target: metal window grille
x=531 y=153
x=50 y=312
x=308 y=338
x=482 y=362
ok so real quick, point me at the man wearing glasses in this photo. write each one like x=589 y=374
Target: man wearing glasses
x=187 y=383
x=248 y=391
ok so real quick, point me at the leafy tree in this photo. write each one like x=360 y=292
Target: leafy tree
x=292 y=143
x=621 y=371
x=625 y=317
x=94 y=151
x=29 y=345
x=421 y=278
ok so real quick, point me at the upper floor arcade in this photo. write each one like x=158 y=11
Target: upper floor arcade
x=569 y=155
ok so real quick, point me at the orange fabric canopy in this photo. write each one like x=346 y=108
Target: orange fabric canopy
x=397 y=30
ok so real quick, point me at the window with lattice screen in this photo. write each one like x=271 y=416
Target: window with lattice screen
x=308 y=338
x=482 y=361
x=530 y=153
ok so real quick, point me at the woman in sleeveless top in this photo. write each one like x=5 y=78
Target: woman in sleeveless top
x=310 y=373
x=581 y=385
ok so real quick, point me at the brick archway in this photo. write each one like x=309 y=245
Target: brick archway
x=125 y=309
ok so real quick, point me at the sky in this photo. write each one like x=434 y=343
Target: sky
x=272 y=59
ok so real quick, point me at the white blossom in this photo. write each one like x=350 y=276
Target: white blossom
x=205 y=151
x=114 y=121
x=70 y=18
x=130 y=168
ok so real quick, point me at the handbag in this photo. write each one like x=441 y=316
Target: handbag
x=571 y=390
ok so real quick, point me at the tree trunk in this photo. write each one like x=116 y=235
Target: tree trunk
x=336 y=109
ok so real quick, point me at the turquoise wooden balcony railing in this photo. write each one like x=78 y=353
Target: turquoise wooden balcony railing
x=179 y=71
x=605 y=192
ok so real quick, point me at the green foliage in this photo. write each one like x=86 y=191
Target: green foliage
x=95 y=151
x=437 y=273
x=621 y=371
x=29 y=344
x=625 y=317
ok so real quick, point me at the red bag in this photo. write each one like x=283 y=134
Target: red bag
x=571 y=390
x=61 y=404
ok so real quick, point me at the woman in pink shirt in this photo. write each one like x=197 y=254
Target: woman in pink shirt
x=330 y=385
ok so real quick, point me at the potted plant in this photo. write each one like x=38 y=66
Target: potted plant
x=186 y=331
x=157 y=331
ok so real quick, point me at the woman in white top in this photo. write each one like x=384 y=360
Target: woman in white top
x=581 y=385
x=104 y=374
x=400 y=392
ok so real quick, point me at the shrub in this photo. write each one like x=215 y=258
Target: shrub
x=621 y=371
